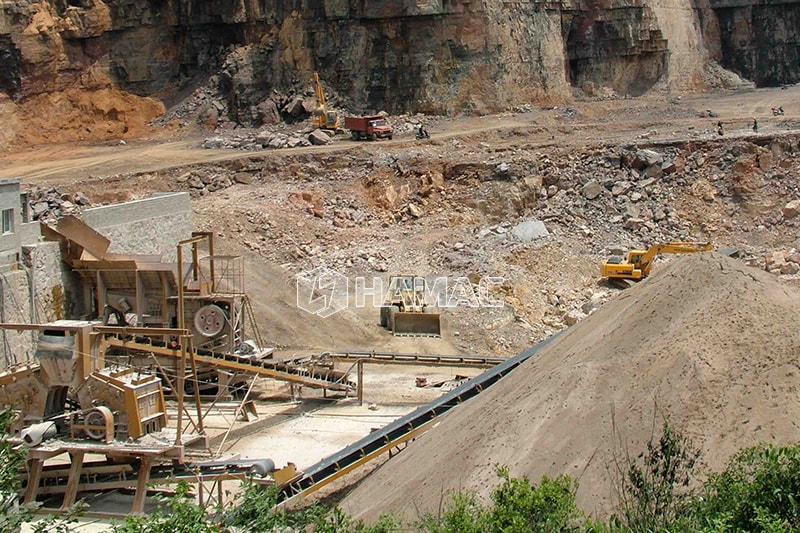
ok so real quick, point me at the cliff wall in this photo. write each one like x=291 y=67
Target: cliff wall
x=439 y=56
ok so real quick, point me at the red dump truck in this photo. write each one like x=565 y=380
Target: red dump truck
x=370 y=127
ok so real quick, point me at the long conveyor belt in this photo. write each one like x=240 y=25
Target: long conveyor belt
x=399 y=431
x=464 y=361
x=304 y=374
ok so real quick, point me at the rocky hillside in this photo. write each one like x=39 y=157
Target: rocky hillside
x=433 y=56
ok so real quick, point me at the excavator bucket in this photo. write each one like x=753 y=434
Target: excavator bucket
x=417 y=325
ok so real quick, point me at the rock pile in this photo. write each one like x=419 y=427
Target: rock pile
x=278 y=135
x=47 y=205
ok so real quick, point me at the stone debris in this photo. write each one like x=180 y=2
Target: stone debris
x=480 y=210
x=47 y=205
x=278 y=135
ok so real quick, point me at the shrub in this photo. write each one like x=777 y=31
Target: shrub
x=653 y=488
x=255 y=510
x=759 y=490
x=182 y=516
x=463 y=513
x=11 y=461
x=521 y=507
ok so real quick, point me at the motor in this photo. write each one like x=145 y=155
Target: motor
x=33 y=435
x=777 y=111
x=421 y=133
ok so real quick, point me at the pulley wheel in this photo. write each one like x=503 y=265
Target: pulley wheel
x=209 y=320
x=97 y=417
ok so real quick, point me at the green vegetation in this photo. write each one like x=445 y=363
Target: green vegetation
x=11 y=460
x=759 y=491
x=182 y=515
x=653 y=489
x=517 y=507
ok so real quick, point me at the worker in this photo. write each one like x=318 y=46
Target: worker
x=422 y=134
x=719 y=128
x=755 y=125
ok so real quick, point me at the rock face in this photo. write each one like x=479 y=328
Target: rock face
x=760 y=41
x=439 y=56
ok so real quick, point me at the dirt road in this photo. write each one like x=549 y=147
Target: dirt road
x=589 y=122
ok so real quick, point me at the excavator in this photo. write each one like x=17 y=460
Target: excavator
x=624 y=271
x=405 y=311
x=324 y=119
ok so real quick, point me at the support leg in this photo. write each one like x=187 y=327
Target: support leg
x=141 y=485
x=75 y=468
x=360 y=382
x=34 y=475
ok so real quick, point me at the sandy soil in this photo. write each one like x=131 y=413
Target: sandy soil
x=672 y=346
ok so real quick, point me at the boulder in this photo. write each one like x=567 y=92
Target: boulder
x=573 y=317
x=81 y=199
x=530 y=230
x=263 y=138
x=621 y=187
x=792 y=209
x=765 y=160
x=309 y=104
x=414 y=210
x=633 y=223
x=654 y=171
x=213 y=143
x=774 y=260
x=592 y=190
x=318 y=137
x=244 y=178
x=389 y=197
x=267 y=112
x=295 y=107
x=278 y=141
x=647 y=158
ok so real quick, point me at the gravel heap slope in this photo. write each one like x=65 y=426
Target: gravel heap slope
x=707 y=341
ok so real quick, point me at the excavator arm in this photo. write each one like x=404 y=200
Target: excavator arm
x=323 y=118
x=638 y=262
x=320 y=91
x=678 y=247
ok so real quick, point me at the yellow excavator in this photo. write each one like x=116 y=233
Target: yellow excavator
x=623 y=271
x=324 y=119
x=405 y=311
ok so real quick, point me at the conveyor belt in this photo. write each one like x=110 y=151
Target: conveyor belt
x=309 y=375
x=106 y=475
x=463 y=361
x=399 y=431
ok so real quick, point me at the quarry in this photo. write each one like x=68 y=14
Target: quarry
x=364 y=253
